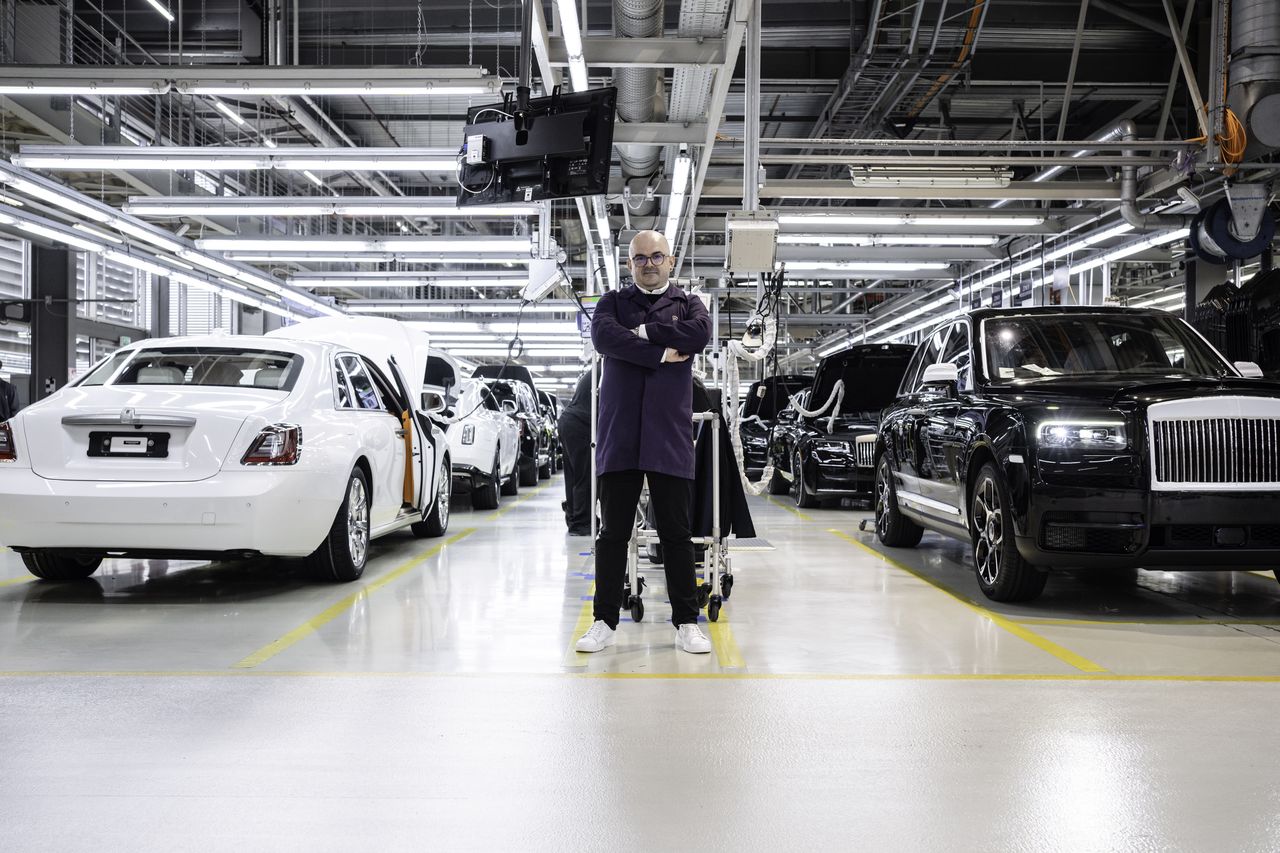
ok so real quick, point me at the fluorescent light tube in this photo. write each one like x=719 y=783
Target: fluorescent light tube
x=390 y=89
x=867 y=266
x=97 y=233
x=58 y=236
x=883 y=240
x=228 y=112
x=55 y=197
x=310 y=176
x=88 y=87
x=476 y=245
x=147 y=236
x=159 y=7
x=70 y=162
x=675 y=204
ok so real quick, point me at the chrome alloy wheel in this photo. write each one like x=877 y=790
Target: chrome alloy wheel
x=988 y=524
x=357 y=522
x=443 y=494
x=883 y=496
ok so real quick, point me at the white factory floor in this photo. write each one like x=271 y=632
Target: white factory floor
x=851 y=702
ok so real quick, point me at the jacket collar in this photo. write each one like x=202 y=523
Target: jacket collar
x=635 y=294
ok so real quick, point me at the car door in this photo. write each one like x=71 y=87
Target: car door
x=905 y=429
x=378 y=435
x=421 y=447
x=942 y=440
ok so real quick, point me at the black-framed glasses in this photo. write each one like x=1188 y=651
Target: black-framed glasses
x=657 y=259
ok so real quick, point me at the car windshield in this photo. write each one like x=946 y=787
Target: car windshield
x=1036 y=347
x=218 y=367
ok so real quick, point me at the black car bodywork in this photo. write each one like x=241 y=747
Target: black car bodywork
x=549 y=406
x=817 y=458
x=1081 y=438
x=760 y=408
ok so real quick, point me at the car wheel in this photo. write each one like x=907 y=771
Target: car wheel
x=778 y=484
x=544 y=471
x=511 y=485
x=804 y=500
x=50 y=566
x=1002 y=573
x=343 y=553
x=484 y=495
x=529 y=473
x=892 y=527
x=437 y=520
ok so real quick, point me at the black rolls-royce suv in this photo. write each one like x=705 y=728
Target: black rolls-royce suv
x=1081 y=438
x=831 y=455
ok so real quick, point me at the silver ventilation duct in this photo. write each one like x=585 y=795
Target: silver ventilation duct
x=640 y=92
x=1255 y=69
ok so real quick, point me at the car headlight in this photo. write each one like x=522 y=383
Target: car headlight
x=832 y=446
x=1083 y=435
x=468 y=433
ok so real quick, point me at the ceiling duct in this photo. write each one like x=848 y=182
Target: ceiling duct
x=1255 y=68
x=640 y=93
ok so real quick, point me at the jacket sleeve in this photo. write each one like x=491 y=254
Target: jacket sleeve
x=614 y=340
x=690 y=335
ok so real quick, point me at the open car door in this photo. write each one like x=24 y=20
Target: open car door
x=421 y=452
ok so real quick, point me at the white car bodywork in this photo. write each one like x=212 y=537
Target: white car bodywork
x=482 y=433
x=202 y=498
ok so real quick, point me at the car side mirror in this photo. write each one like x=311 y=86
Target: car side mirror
x=945 y=374
x=432 y=403
x=509 y=407
x=1249 y=369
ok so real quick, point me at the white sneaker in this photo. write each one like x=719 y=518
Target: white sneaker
x=598 y=638
x=690 y=638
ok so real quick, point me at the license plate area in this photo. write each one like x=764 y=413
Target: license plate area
x=129 y=445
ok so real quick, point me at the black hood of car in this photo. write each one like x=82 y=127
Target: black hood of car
x=1113 y=389
x=845 y=427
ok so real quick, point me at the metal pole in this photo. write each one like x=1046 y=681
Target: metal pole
x=1187 y=70
x=1071 y=72
x=297 y=42
x=595 y=418
x=751 y=133
x=526 y=43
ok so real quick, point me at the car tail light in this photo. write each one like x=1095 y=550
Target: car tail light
x=8 y=450
x=279 y=444
x=468 y=434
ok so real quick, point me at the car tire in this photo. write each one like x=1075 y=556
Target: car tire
x=1002 y=573
x=892 y=527
x=544 y=471
x=804 y=500
x=437 y=520
x=344 y=552
x=51 y=566
x=778 y=484
x=529 y=473
x=485 y=493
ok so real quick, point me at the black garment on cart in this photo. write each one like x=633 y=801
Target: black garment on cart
x=735 y=513
x=575 y=441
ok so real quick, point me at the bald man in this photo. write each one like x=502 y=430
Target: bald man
x=647 y=332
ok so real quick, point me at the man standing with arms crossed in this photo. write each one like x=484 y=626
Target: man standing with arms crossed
x=647 y=333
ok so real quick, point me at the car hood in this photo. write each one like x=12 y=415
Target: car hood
x=1111 y=390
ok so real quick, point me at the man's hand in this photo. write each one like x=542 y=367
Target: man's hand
x=671 y=356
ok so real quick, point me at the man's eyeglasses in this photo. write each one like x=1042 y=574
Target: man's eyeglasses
x=657 y=259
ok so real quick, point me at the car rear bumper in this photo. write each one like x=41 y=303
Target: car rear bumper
x=276 y=513
x=1124 y=528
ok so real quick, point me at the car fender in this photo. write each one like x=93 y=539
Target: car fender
x=1004 y=440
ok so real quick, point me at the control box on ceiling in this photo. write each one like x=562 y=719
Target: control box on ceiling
x=559 y=146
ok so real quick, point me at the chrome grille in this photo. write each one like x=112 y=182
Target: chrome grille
x=1216 y=450
x=865 y=452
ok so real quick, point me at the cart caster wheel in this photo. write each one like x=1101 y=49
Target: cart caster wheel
x=713 y=608
x=726 y=586
x=637 y=608
x=704 y=594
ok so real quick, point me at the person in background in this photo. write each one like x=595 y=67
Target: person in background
x=647 y=333
x=575 y=441
x=8 y=398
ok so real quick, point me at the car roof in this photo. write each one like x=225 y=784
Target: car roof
x=232 y=342
x=1050 y=310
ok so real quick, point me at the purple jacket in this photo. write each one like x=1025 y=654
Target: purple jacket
x=646 y=407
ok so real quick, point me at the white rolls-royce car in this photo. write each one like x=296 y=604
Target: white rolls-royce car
x=484 y=444
x=226 y=447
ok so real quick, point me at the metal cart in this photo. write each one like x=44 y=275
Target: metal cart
x=717 y=571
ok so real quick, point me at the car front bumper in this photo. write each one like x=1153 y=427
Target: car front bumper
x=1077 y=527
x=271 y=512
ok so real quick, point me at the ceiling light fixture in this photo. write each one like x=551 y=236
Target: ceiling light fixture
x=228 y=112
x=884 y=240
x=572 y=34
x=397 y=245
x=175 y=158
x=679 y=191
x=162 y=9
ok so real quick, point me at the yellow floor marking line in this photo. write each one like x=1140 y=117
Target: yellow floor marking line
x=270 y=650
x=496 y=515
x=586 y=618
x=726 y=647
x=797 y=513
x=1065 y=655
x=1154 y=621
x=671 y=676
x=15 y=582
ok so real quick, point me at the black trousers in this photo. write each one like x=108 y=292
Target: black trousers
x=575 y=441
x=671 y=498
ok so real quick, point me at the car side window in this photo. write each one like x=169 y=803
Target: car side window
x=926 y=355
x=366 y=396
x=957 y=353
x=345 y=399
